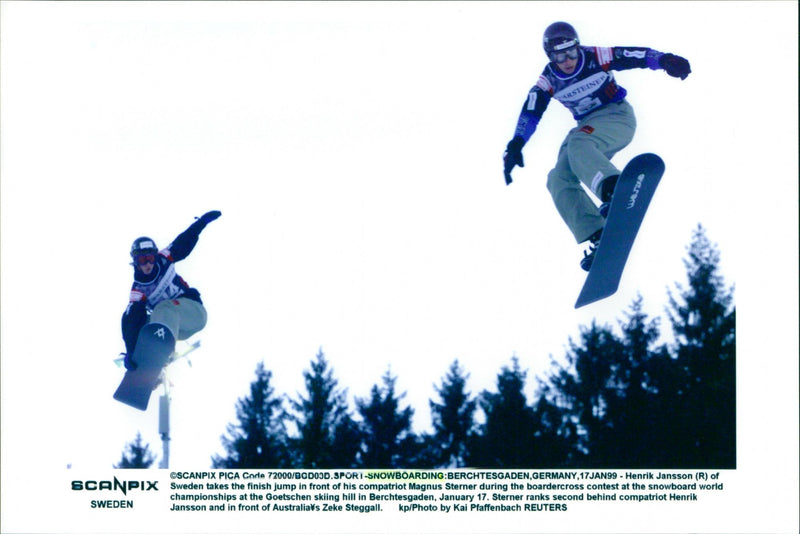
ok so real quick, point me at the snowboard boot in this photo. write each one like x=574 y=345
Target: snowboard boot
x=588 y=255
x=606 y=193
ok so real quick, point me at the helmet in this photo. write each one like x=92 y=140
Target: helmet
x=143 y=245
x=559 y=36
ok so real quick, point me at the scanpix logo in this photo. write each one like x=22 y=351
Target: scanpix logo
x=636 y=188
x=115 y=485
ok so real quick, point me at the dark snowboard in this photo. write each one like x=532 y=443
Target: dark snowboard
x=632 y=195
x=154 y=346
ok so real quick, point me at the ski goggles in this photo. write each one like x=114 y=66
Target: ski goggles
x=562 y=55
x=143 y=259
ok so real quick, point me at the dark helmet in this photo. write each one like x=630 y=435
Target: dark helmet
x=559 y=36
x=143 y=245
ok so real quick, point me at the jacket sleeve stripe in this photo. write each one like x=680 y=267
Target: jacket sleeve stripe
x=604 y=55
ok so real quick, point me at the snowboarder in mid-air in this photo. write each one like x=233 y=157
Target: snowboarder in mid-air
x=581 y=78
x=159 y=295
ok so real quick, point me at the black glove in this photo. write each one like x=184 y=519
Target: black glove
x=513 y=156
x=676 y=66
x=210 y=216
x=130 y=365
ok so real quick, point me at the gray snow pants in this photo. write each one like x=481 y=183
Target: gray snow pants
x=184 y=317
x=584 y=157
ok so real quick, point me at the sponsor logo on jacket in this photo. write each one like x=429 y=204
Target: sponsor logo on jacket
x=582 y=88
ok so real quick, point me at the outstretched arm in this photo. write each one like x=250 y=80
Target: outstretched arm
x=629 y=57
x=183 y=245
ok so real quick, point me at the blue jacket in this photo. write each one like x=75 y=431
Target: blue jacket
x=590 y=87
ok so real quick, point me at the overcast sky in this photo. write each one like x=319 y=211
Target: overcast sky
x=354 y=150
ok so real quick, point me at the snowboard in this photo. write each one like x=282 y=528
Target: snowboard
x=154 y=346
x=635 y=188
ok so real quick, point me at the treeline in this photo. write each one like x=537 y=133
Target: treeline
x=619 y=398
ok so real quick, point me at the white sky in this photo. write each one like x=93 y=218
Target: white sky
x=354 y=150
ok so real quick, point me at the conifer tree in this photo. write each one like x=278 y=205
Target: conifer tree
x=642 y=411
x=328 y=437
x=623 y=397
x=554 y=443
x=703 y=318
x=136 y=455
x=508 y=436
x=453 y=419
x=589 y=388
x=387 y=437
x=626 y=402
x=259 y=439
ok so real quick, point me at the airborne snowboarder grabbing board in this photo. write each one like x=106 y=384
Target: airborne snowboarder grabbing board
x=581 y=78
x=162 y=308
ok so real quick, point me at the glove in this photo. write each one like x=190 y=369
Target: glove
x=130 y=365
x=676 y=66
x=210 y=216
x=513 y=156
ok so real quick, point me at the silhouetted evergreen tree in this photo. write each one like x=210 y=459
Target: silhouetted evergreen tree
x=259 y=439
x=507 y=439
x=561 y=423
x=642 y=410
x=627 y=403
x=703 y=319
x=328 y=437
x=589 y=389
x=610 y=391
x=387 y=437
x=453 y=419
x=136 y=455
x=554 y=440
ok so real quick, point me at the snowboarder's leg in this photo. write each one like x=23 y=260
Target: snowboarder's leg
x=592 y=144
x=571 y=200
x=134 y=318
x=193 y=318
x=184 y=317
